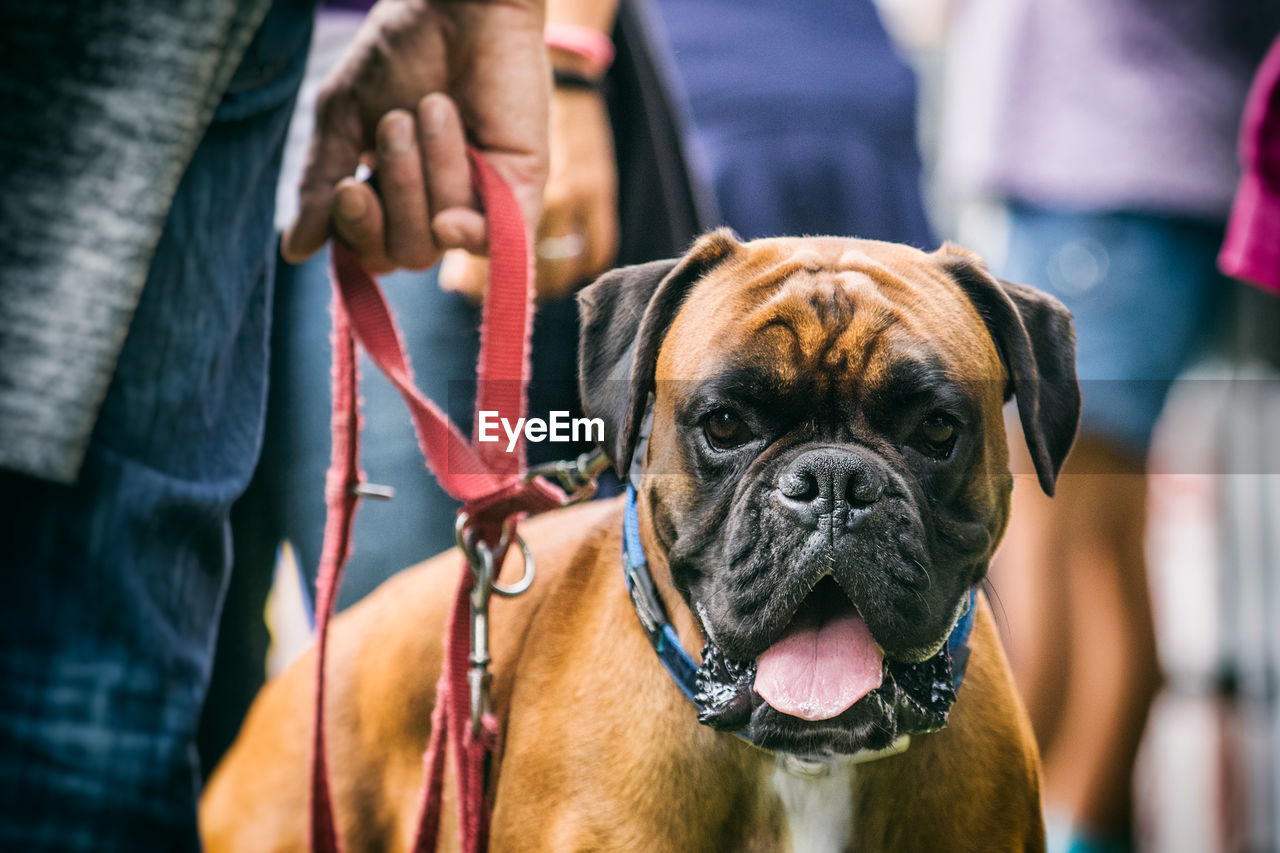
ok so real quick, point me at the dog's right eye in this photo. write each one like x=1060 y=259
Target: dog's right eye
x=935 y=437
x=725 y=430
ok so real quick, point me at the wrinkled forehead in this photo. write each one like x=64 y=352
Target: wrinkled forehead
x=846 y=310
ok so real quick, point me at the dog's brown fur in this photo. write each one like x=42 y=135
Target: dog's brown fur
x=603 y=754
x=600 y=750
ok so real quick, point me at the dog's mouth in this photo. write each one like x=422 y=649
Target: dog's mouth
x=824 y=686
x=825 y=660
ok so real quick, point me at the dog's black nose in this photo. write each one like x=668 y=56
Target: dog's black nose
x=828 y=481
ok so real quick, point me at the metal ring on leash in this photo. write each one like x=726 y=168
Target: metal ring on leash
x=464 y=536
x=526 y=581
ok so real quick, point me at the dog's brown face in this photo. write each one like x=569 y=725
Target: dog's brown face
x=827 y=473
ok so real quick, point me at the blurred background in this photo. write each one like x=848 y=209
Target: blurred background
x=1086 y=147
x=1206 y=775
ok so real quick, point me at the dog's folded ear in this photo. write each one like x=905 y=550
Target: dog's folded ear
x=1037 y=343
x=625 y=316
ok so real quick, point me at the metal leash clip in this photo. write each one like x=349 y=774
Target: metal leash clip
x=577 y=477
x=480 y=558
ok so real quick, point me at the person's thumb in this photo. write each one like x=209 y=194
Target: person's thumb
x=334 y=153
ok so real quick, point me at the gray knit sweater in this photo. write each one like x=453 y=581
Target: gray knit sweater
x=102 y=104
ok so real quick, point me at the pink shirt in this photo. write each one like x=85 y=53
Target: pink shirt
x=1252 y=249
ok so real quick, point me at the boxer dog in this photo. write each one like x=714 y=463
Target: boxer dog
x=825 y=478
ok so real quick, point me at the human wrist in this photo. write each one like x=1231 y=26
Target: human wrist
x=566 y=81
x=577 y=50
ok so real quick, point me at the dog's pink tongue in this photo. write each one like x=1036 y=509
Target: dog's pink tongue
x=817 y=671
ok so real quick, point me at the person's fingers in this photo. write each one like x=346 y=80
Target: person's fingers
x=400 y=183
x=454 y=208
x=461 y=228
x=465 y=273
x=336 y=144
x=358 y=222
x=559 y=248
x=444 y=155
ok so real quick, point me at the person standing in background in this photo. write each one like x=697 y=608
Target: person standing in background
x=805 y=115
x=1107 y=129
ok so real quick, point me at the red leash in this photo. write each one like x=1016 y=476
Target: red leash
x=490 y=483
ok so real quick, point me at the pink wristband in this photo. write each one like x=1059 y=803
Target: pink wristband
x=592 y=45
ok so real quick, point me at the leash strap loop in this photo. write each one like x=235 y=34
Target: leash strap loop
x=489 y=482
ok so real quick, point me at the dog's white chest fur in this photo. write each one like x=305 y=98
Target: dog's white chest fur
x=817 y=798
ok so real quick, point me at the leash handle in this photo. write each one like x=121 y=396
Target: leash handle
x=488 y=481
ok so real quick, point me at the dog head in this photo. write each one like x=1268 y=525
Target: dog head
x=827 y=473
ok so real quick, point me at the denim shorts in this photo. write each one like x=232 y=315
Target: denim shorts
x=1144 y=290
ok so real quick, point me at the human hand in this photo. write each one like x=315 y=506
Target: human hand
x=577 y=237
x=420 y=80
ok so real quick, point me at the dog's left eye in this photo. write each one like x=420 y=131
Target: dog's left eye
x=725 y=430
x=936 y=436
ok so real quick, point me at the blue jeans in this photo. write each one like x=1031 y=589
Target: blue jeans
x=1143 y=289
x=112 y=586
